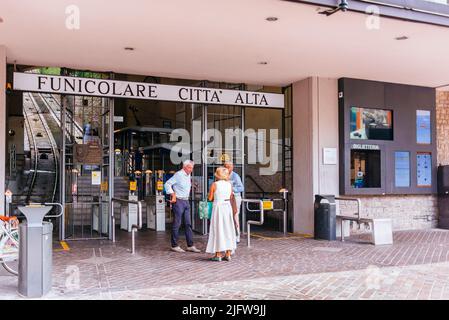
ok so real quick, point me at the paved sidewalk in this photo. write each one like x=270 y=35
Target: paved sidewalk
x=415 y=267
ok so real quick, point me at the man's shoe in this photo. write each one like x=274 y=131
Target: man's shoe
x=177 y=249
x=193 y=249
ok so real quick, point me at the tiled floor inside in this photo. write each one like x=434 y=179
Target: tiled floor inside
x=416 y=266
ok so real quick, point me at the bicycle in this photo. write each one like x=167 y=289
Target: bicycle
x=9 y=243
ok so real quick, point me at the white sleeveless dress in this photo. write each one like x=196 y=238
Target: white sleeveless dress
x=222 y=229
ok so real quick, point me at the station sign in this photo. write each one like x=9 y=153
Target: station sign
x=141 y=90
x=365 y=146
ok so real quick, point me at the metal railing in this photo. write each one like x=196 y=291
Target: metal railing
x=284 y=209
x=343 y=217
x=250 y=222
x=359 y=204
x=53 y=204
x=134 y=227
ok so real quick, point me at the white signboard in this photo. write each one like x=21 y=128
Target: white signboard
x=96 y=178
x=329 y=155
x=365 y=146
x=142 y=90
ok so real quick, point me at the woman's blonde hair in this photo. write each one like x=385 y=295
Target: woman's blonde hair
x=222 y=173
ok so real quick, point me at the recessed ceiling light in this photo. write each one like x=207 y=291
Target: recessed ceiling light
x=401 y=38
x=271 y=19
x=129 y=48
x=263 y=62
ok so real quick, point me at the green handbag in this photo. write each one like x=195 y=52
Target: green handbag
x=205 y=209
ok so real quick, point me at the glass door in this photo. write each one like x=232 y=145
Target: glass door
x=86 y=174
x=199 y=193
x=217 y=137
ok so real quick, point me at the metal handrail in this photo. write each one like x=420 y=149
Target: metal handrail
x=55 y=204
x=359 y=209
x=284 y=201
x=48 y=204
x=134 y=227
x=359 y=204
x=250 y=222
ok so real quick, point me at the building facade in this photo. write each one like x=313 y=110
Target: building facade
x=362 y=109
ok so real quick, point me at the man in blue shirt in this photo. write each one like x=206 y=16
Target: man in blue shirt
x=178 y=187
x=237 y=188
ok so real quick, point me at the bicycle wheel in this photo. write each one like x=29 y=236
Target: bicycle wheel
x=11 y=256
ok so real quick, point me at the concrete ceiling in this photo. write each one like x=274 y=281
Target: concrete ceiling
x=223 y=41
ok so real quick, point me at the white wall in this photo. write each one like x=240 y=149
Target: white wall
x=2 y=126
x=315 y=126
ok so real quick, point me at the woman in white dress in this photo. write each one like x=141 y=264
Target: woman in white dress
x=222 y=229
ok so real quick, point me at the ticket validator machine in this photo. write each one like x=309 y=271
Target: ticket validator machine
x=156 y=204
x=128 y=219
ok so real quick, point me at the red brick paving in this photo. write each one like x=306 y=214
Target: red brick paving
x=292 y=268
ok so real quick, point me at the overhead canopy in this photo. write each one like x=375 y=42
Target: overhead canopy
x=223 y=40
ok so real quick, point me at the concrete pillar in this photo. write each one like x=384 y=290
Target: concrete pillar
x=2 y=127
x=315 y=119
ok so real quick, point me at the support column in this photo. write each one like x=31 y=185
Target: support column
x=315 y=119
x=2 y=127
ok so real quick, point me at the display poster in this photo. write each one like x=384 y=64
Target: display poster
x=88 y=153
x=424 y=169
x=402 y=169
x=96 y=178
x=423 y=130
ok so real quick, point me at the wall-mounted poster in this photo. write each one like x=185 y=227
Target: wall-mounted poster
x=402 y=169
x=96 y=178
x=423 y=132
x=424 y=169
x=371 y=124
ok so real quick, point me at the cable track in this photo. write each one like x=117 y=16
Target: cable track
x=45 y=97
x=46 y=145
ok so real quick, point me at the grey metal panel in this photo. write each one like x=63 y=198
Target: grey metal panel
x=404 y=101
x=408 y=10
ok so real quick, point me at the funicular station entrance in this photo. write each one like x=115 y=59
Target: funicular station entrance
x=89 y=140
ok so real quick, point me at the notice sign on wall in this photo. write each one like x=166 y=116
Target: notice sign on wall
x=424 y=169
x=142 y=90
x=402 y=169
x=329 y=155
x=423 y=132
x=90 y=153
x=96 y=178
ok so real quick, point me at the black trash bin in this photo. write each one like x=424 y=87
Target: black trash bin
x=325 y=217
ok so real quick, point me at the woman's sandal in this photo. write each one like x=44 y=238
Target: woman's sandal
x=215 y=258
x=227 y=258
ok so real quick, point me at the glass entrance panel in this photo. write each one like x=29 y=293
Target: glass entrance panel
x=86 y=141
x=225 y=137
x=217 y=137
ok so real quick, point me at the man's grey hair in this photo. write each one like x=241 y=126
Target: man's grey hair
x=228 y=162
x=187 y=162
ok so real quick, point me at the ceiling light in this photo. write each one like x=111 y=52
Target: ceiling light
x=401 y=38
x=263 y=62
x=129 y=48
x=272 y=19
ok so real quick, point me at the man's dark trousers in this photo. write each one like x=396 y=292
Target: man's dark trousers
x=181 y=211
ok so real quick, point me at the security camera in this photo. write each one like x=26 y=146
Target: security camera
x=343 y=5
